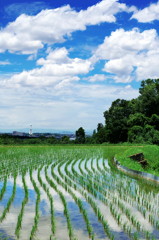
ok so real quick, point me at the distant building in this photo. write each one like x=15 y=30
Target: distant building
x=20 y=134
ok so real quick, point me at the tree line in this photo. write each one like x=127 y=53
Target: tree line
x=135 y=121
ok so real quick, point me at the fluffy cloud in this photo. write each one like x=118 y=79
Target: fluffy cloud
x=27 y=34
x=135 y=55
x=65 y=108
x=56 y=70
x=147 y=14
x=96 y=78
x=55 y=97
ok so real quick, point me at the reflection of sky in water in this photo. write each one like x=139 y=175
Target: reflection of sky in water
x=32 y=196
x=6 y=195
x=3 y=235
x=76 y=217
x=18 y=197
x=43 y=208
x=1 y=185
x=97 y=226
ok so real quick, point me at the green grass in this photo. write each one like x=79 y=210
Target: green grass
x=151 y=154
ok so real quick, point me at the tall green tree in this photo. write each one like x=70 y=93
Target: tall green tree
x=116 y=120
x=148 y=101
x=80 y=135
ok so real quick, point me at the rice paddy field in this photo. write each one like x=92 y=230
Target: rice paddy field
x=73 y=193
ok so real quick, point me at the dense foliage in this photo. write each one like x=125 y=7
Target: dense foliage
x=80 y=135
x=134 y=121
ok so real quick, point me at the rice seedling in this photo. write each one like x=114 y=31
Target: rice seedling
x=11 y=199
x=66 y=212
x=46 y=189
x=37 y=215
x=20 y=216
x=3 y=188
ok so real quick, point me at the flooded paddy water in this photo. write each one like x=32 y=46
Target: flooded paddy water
x=72 y=193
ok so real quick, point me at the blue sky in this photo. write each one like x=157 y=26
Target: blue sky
x=62 y=63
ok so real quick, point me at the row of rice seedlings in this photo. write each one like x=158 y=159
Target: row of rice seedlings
x=3 y=188
x=118 y=217
x=67 y=182
x=80 y=166
x=147 y=214
x=90 y=190
x=13 y=163
x=134 y=199
x=98 y=214
x=132 y=219
x=105 y=168
x=86 y=167
x=66 y=212
x=144 y=208
x=140 y=198
x=95 y=208
x=21 y=214
x=126 y=211
x=11 y=199
x=139 y=205
x=143 y=211
x=37 y=215
x=46 y=189
x=83 y=180
x=97 y=164
x=92 y=167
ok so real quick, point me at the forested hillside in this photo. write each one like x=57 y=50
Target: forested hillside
x=136 y=120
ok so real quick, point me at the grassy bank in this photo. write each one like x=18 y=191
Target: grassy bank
x=151 y=154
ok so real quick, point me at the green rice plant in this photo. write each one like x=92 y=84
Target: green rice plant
x=90 y=189
x=20 y=216
x=66 y=212
x=132 y=219
x=11 y=199
x=98 y=213
x=3 y=188
x=37 y=215
x=46 y=189
x=78 y=202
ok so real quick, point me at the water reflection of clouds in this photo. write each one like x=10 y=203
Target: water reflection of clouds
x=78 y=223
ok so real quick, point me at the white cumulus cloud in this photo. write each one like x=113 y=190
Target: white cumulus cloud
x=148 y=14
x=27 y=34
x=96 y=78
x=65 y=108
x=130 y=54
x=57 y=70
